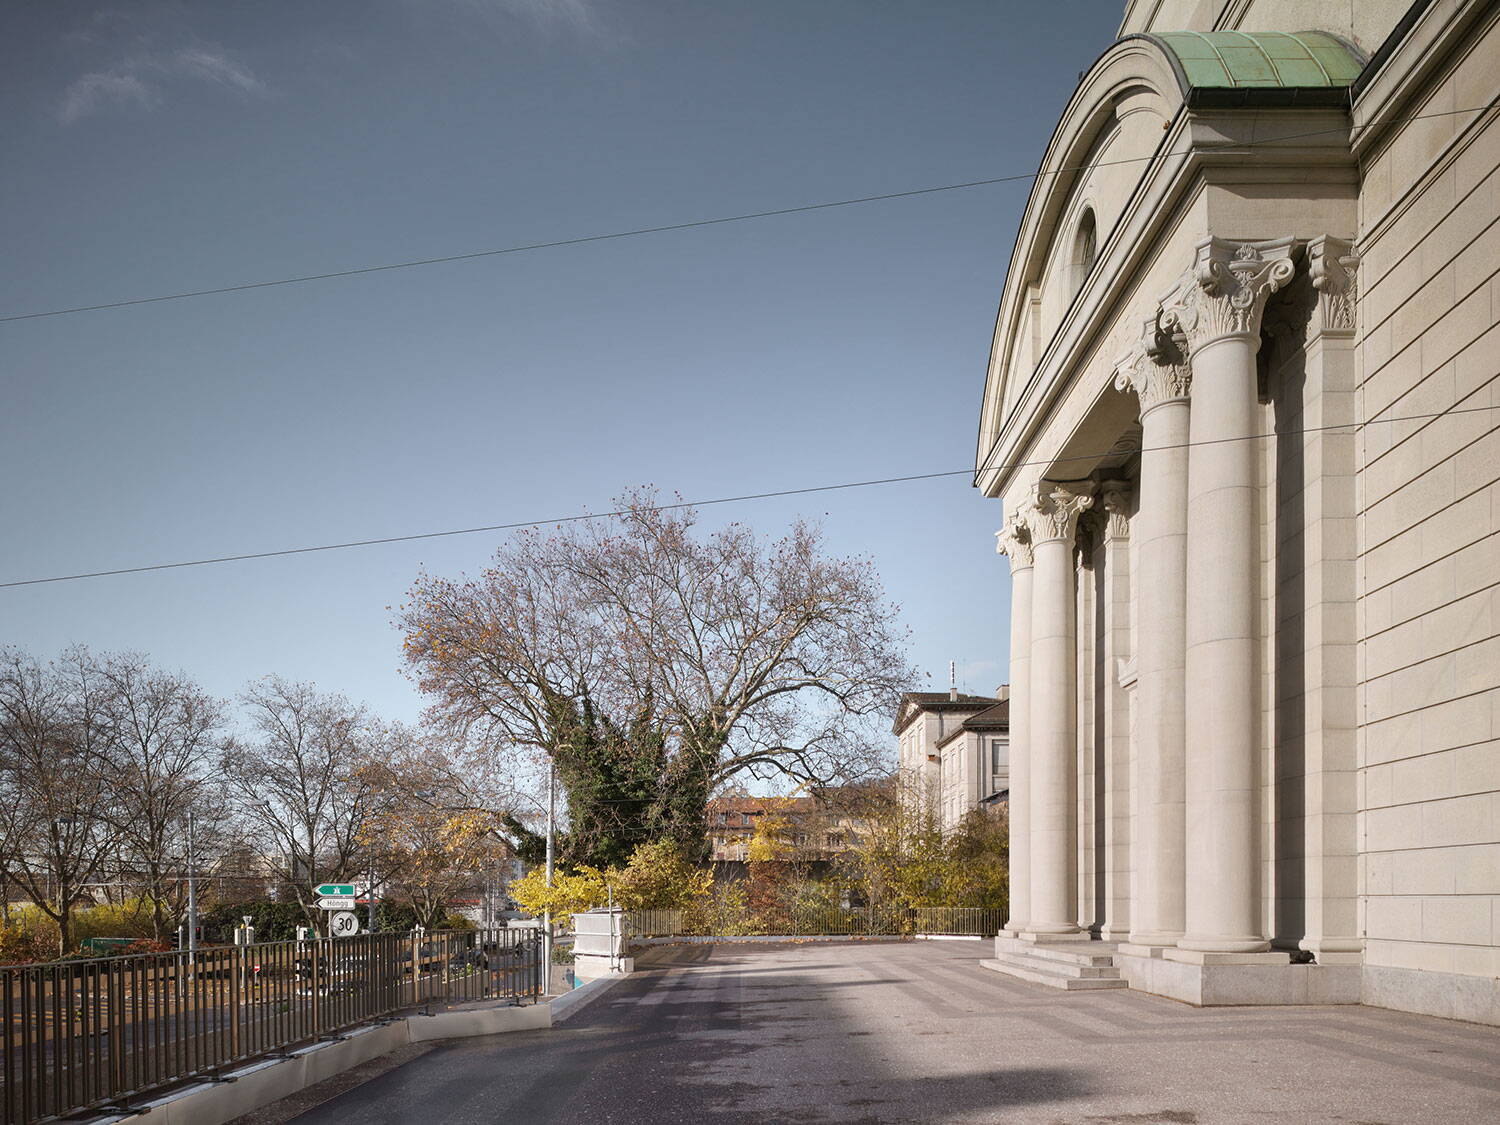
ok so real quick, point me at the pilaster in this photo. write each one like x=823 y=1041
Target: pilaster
x=1112 y=584
x=1014 y=541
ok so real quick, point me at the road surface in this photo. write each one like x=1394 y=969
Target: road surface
x=918 y=1032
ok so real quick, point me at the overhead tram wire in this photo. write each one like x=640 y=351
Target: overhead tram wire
x=587 y=516
x=692 y=224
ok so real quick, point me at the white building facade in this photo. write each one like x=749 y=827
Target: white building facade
x=954 y=752
x=1241 y=413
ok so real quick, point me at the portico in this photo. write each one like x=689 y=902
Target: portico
x=1128 y=430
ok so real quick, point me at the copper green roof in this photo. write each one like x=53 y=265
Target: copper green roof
x=1250 y=60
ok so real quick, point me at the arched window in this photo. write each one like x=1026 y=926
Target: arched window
x=1085 y=249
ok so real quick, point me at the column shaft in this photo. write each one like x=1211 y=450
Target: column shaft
x=1020 y=747
x=1053 y=711
x=1223 y=654
x=1157 y=910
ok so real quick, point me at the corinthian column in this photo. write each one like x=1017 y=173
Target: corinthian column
x=1015 y=541
x=1052 y=521
x=1219 y=309
x=1158 y=374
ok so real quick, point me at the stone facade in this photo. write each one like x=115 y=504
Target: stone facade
x=1243 y=412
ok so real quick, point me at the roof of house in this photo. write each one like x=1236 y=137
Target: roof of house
x=990 y=719
x=914 y=703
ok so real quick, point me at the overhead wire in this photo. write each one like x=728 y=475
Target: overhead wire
x=519 y=525
x=692 y=224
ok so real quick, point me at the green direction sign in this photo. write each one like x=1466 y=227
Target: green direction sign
x=332 y=890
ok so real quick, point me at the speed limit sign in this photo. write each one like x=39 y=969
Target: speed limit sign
x=343 y=924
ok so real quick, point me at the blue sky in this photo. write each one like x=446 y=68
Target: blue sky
x=159 y=147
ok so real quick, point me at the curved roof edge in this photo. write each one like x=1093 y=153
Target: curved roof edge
x=1228 y=68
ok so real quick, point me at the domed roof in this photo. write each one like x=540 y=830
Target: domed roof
x=1298 y=60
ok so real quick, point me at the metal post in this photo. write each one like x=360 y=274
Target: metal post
x=370 y=906
x=192 y=889
x=551 y=866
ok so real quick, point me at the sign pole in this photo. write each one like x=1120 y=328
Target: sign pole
x=551 y=863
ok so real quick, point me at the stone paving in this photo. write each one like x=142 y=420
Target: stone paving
x=918 y=1032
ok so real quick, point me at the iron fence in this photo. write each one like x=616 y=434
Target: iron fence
x=796 y=919
x=957 y=921
x=91 y=1034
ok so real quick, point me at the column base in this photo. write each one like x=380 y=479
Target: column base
x=1225 y=957
x=1137 y=949
x=1215 y=944
x=1034 y=935
x=1165 y=938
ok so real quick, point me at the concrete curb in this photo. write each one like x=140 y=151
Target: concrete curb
x=570 y=1004
x=784 y=938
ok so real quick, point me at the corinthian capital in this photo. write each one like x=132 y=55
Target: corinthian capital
x=1116 y=497
x=1054 y=514
x=1225 y=292
x=1014 y=540
x=1332 y=263
x=1157 y=370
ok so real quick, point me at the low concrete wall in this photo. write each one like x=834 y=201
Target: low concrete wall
x=260 y=1083
x=1453 y=996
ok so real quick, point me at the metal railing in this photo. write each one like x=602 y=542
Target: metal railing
x=957 y=921
x=819 y=920
x=89 y=1034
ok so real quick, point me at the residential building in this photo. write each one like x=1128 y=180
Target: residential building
x=954 y=751
x=1241 y=410
x=819 y=827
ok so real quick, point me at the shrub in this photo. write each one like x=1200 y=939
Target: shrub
x=20 y=945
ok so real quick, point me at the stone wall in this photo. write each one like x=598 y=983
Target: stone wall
x=1429 y=565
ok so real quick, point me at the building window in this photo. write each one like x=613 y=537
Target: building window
x=835 y=839
x=999 y=755
x=723 y=818
x=1085 y=249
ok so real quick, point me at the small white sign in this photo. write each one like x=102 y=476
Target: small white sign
x=337 y=902
x=343 y=924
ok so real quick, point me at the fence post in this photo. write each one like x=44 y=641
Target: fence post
x=236 y=975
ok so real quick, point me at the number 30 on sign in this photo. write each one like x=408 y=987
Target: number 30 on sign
x=343 y=924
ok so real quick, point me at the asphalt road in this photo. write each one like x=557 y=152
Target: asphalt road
x=918 y=1032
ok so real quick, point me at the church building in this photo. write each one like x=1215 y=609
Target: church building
x=1243 y=416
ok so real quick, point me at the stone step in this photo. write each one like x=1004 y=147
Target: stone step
x=1042 y=973
x=1062 y=968
x=1084 y=956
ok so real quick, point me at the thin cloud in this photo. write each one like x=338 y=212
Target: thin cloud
x=144 y=79
x=106 y=88
x=580 y=19
x=213 y=66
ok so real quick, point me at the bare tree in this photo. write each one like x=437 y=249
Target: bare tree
x=715 y=654
x=166 y=749
x=426 y=838
x=299 y=785
x=55 y=797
